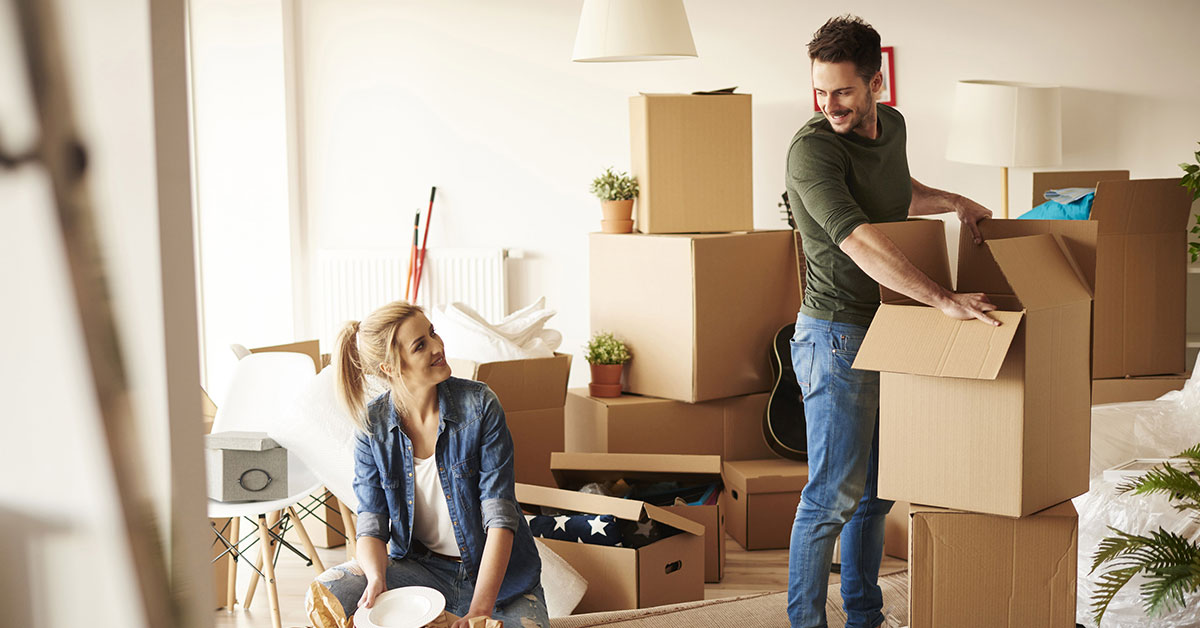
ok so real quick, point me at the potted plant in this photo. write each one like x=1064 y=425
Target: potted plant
x=1191 y=181
x=607 y=356
x=616 y=192
x=1168 y=562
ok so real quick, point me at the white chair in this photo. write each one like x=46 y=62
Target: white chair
x=261 y=397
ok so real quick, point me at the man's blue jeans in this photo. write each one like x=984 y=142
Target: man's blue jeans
x=841 y=406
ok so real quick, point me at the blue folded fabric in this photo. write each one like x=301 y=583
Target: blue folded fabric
x=593 y=529
x=1080 y=209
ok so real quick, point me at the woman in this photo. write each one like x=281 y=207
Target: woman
x=433 y=475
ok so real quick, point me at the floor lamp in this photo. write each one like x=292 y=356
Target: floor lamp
x=1011 y=125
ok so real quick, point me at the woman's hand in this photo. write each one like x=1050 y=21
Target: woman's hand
x=465 y=622
x=375 y=586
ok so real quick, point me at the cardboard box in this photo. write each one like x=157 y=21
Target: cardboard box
x=691 y=155
x=730 y=428
x=533 y=393
x=760 y=499
x=1141 y=270
x=573 y=470
x=667 y=571
x=701 y=325
x=895 y=531
x=1125 y=389
x=971 y=569
x=1010 y=405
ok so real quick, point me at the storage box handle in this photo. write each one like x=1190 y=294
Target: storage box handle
x=242 y=480
x=672 y=567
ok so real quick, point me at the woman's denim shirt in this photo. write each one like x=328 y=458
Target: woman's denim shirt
x=474 y=453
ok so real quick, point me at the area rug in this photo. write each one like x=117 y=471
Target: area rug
x=766 y=610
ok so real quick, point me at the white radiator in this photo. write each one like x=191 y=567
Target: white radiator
x=351 y=284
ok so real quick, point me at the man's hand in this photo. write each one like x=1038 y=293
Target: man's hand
x=968 y=305
x=375 y=586
x=969 y=214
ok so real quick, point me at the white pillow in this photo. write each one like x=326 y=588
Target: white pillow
x=564 y=587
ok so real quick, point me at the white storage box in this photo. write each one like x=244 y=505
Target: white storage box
x=245 y=466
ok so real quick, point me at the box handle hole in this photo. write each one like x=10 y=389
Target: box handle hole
x=734 y=492
x=673 y=567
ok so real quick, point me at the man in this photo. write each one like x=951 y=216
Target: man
x=847 y=169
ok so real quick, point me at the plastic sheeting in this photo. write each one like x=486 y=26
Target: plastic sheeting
x=521 y=335
x=1121 y=432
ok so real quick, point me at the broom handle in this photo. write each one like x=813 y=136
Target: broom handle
x=424 y=243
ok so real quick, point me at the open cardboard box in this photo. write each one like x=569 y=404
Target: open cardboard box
x=992 y=419
x=667 y=571
x=730 y=428
x=700 y=326
x=971 y=569
x=573 y=470
x=759 y=501
x=691 y=155
x=533 y=393
x=1141 y=270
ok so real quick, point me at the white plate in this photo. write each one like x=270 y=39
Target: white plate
x=406 y=607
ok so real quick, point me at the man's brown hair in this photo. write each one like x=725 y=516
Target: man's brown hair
x=848 y=38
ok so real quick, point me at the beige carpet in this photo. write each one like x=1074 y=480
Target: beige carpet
x=764 y=609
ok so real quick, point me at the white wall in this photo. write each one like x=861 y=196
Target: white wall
x=241 y=179
x=481 y=99
x=66 y=562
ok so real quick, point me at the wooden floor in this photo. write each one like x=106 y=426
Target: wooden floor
x=745 y=573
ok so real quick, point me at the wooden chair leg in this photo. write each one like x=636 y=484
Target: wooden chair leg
x=234 y=555
x=350 y=530
x=308 y=546
x=269 y=565
x=258 y=564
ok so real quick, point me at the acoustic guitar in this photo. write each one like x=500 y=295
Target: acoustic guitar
x=783 y=423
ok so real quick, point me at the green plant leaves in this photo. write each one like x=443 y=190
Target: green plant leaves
x=612 y=186
x=605 y=348
x=1169 y=561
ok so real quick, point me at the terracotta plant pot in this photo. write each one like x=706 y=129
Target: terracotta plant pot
x=606 y=380
x=617 y=210
x=616 y=226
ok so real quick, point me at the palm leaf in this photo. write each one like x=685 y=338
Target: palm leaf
x=1114 y=547
x=1192 y=452
x=1107 y=588
x=1165 y=587
x=1178 y=484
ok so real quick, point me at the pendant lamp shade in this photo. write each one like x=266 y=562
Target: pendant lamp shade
x=997 y=123
x=633 y=30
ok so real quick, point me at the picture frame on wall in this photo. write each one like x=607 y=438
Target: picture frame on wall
x=887 y=95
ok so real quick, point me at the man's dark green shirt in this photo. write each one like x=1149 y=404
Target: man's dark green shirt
x=835 y=183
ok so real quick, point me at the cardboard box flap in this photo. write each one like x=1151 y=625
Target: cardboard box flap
x=574 y=469
x=773 y=475
x=977 y=270
x=922 y=341
x=923 y=243
x=627 y=509
x=1040 y=270
x=531 y=384
x=1142 y=206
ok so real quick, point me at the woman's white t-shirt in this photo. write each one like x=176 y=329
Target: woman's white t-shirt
x=431 y=516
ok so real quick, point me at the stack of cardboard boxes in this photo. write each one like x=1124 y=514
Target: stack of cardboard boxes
x=987 y=427
x=697 y=295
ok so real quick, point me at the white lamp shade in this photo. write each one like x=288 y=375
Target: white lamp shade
x=633 y=30
x=997 y=123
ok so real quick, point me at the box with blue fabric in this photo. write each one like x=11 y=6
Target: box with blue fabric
x=666 y=570
x=1140 y=320
x=688 y=485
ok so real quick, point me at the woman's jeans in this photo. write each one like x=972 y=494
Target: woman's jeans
x=841 y=406
x=346 y=583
